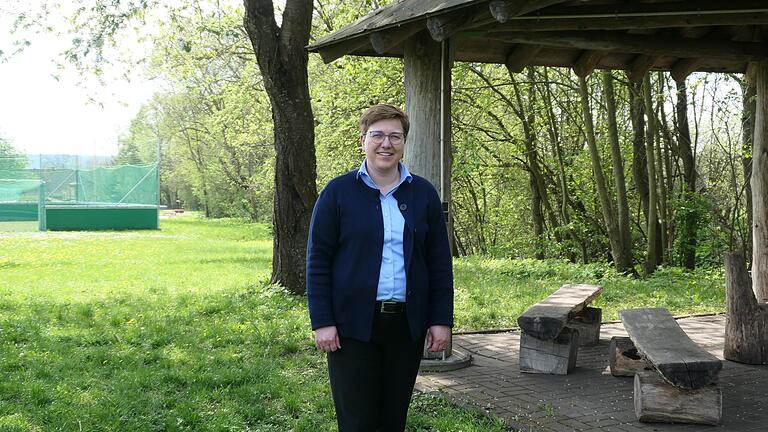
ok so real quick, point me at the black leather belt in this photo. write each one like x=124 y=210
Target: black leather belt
x=390 y=307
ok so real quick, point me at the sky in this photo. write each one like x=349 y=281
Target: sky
x=39 y=114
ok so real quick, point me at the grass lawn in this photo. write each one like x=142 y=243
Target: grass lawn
x=491 y=293
x=170 y=330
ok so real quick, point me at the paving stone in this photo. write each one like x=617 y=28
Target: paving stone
x=590 y=398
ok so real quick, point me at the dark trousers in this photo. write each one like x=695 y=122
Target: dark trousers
x=372 y=382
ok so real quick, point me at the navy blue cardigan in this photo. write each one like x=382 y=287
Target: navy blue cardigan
x=346 y=237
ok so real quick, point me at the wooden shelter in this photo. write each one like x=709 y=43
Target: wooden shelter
x=680 y=36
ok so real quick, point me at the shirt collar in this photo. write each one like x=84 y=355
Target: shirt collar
x=405 y=175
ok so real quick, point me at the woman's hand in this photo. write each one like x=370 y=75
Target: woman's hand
x=438 y=337
x=327 y=339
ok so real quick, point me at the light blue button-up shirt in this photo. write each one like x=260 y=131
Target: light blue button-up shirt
x=392 y=273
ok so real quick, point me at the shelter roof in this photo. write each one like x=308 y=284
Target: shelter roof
x=637 y=35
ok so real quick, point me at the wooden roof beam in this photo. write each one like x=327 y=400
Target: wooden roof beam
x=520 y=57
x=654 y=7
x=628 y=22
x=642 y=44
x=640 y=66
x=684 y=67
x=441 y=27
x=502 y=11
x=587 y=62
x=332 y=52
x=384 y=40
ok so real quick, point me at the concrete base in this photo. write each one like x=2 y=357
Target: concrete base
x=457 y=360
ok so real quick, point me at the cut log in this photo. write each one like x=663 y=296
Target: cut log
x=550 y=356
x=623 y=358
x=658 y=401
x=669 y=350
x=587 y=322
x=547 y=318
x=746 y=322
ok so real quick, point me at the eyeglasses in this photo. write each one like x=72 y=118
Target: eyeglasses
x=395 y=138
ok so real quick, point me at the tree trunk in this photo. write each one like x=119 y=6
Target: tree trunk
x=760 y=188
x=562 y=183
x=746 y=321
x=538 y=217
x=689 y=228
x=748 y=130
x=282 y=61
x=539 y=195
x=597 y=168
x=624 y=264
x=639 y=164
x=662 y=190
x=651 y=259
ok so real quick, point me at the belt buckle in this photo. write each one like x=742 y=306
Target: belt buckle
x=385 y=305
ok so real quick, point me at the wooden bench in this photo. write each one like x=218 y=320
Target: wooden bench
x=681 y=383
x=553 y=329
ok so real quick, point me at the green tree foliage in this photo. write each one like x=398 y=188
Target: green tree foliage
x=523 y=182
x=10 y=157
x=213 y=123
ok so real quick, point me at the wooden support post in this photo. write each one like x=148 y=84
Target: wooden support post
x=427 y=92
x=746 y=321
x=658 y=401
x=587 y=322
x=760 y=187
x=549 y=356
x=623 y=358
x=427 y=73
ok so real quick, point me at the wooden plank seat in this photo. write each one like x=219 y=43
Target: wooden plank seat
x=682 y=386
x=553 y=328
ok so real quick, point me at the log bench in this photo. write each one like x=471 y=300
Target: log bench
x=681 y=383
x=553 y=329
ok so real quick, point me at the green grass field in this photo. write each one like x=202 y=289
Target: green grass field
x=491 y=293
x=170 y=330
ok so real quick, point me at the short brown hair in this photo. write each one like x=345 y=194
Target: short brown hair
x=383 y=112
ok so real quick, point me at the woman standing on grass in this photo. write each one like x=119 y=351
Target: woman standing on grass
x=379 y=278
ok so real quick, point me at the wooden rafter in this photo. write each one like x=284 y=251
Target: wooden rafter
x=520 y=57
x=640 y=66
x=685 y=67
x=642 y=44
x=502 y=11
x=332 y=52
x=384 y=41
x=651 y=8
x=625 y=22
x=442 y=27
x=587 y=62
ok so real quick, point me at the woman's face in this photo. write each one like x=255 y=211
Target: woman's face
x=382 y=153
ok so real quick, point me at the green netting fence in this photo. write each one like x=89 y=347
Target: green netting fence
x=78 y=193
x=127 y=184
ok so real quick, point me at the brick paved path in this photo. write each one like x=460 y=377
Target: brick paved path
x=590 y=399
